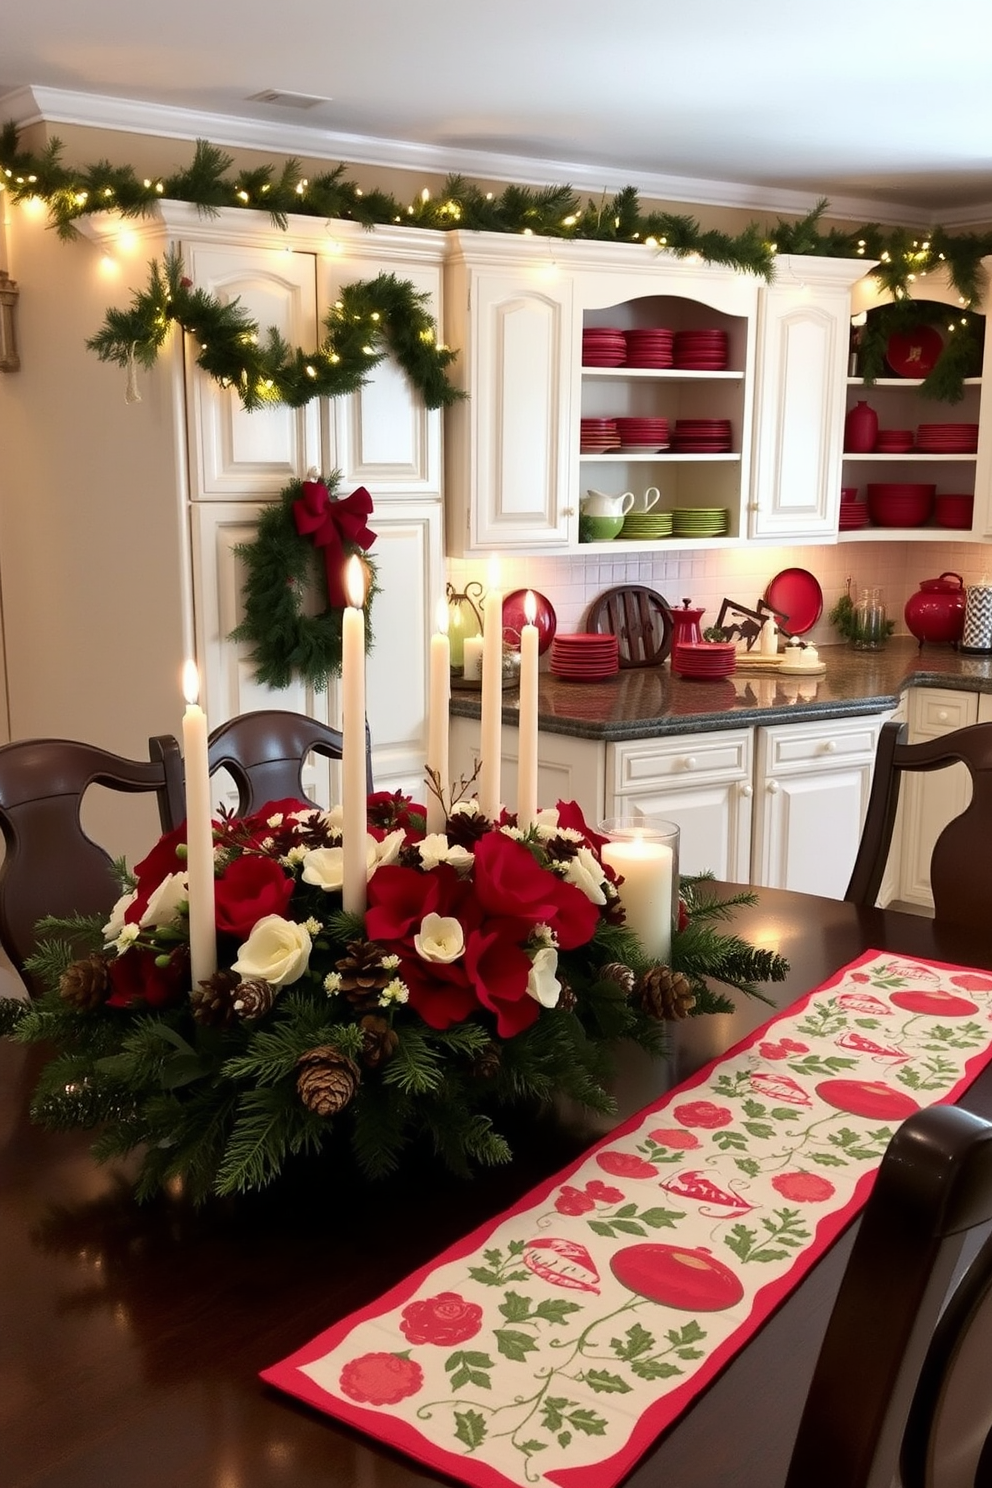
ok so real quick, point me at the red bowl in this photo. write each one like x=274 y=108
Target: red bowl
x=900 y=504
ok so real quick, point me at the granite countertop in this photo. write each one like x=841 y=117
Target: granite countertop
x=644 y=702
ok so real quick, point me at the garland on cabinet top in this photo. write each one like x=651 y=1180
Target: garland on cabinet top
x=299 y=549
x=274 y=372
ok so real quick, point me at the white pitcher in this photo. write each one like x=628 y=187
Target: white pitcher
x=600 y=504
x=646 y=501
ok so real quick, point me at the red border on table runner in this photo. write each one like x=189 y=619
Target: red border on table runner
x=662 y=1411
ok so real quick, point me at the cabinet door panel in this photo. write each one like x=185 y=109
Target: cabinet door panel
x=382 y=436
x=568 y=769
x=809 y=829
x=234 y=453
x=714 y=822
x=928 y=802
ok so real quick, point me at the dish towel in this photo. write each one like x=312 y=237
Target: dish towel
x=556 y=1342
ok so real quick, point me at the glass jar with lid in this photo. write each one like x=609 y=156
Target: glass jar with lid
x=870 y=629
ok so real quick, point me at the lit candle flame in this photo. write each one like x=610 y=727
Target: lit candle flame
x=442 y=616
x=530 y=607
x=191 y=682
x=354 y=582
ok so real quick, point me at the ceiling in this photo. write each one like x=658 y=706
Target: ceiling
x=888 y=105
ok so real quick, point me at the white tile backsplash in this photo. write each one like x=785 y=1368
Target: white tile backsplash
x=708 y=576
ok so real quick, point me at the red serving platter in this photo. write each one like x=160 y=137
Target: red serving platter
x=515 y=618
x=914 y=353
x=795 y=592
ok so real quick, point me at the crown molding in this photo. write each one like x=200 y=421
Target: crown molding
x=34 y=104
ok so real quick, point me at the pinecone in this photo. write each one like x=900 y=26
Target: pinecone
x=617 y=971
x=664 y=993
x=253 y=998
x=327 y=1080
x=462 y=829
x=561 y=849
x=486 y=1065
x=566 y=998
x=363 y=976
x=379 y=1040
x=213 y=1001
x=85 y=984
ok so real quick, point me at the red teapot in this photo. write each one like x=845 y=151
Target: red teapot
x=685 y=624
x=936 y=612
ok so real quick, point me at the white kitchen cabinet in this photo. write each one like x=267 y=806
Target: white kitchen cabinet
x=516 y=308
x=927 y=802
x=812 y=782
x=801 y=380
x=568 y=769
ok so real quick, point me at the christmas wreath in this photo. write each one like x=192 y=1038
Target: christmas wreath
x=299 y=550
x=491 y=969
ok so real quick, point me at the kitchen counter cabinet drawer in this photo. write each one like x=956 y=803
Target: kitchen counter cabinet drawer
x=793 y=747
x=938 y=710
x=697 y=758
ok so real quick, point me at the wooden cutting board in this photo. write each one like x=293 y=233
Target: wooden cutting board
x=641 y=620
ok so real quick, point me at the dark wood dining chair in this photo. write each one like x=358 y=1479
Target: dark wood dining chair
x=901 y=1392
x=960 y=887
x=50 y=865
x=264 y=753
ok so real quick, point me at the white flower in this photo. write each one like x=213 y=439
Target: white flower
x=586 y=873
x=389 y=963
x=440 y=938
x=277 y=950
x=465 y=808
x=314 y=926
x=546 y=822
x=386 y=851
x=543 y=935
x=435 y=848
x=333 y=820
x=542 y=980
x=127 y=937
x=295 y=855
x=517 y=833
x=275 y=820
x=163 y=904
x=332 y=983
x=115 y=924
x=394 y=991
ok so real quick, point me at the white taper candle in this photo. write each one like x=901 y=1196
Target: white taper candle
x=199 y=833
x=439 y=694
x=527 y=717
x=492 y=696
x=354 y=799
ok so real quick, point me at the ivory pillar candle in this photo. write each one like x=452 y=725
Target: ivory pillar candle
x=492 y=696
x=354 y=804
x=437 y=718
x=199 y=834
x=645 y=855
x=769 y=639
x=527 y=718
x=472 y=659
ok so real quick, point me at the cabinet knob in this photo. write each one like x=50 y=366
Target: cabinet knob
x=829 y=746
x=689 y=762
x=942 y=715
x=568 y=511
x=773 y=787
x=747 y=790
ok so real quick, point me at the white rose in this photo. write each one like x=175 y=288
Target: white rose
x=435 y=848
x=324 y=866
x=115 y=924
x=542 y=980
x=440 y=938
x=546 y=822
x=386 y=851
x=163 y=905
x=586 y=873
x=277 y=950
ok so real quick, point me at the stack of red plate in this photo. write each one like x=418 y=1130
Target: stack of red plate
x=947 y=439
x=643 y=433
x=650 y=348
x=585 y=657
x=900 y=503
x=853 y=514
x=953 y=510
x=702 y=436
x=704 y=660
x=603 y=346
x=893 y=441
x=701 y=351
x=597 y=435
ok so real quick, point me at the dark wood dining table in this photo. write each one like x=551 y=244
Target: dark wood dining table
x=131 y=1336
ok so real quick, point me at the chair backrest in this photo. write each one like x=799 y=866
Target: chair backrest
x=889 y=1390
x=264 y=753
x=50 y=865
x=959 y=884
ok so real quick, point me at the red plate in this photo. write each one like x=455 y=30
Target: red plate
x=795 y=592
x=514 y=618
x=914 y=353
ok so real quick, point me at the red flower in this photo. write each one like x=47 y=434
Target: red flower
x=683 y=918
x=703 y=1113
x=510 y=883
x=570 y=817
x=392 y=810
x=603 y=1193
x=150 y=872
x=444 y=1319
x=793 y=1046
x=249 y=888
x=803 y=1188
x=398 y=899
x=773 y=1051
x=574 y=1201
x=498 y=970
x=380 y=1379
x=135 y=978
x=682 y=1141
x=626 y=1165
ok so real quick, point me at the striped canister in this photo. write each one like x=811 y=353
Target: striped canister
x=977 y=635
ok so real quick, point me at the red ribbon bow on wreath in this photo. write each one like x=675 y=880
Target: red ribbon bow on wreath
x=330 y=524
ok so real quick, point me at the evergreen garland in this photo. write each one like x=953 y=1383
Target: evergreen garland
x=369 y=318
x=961 y=356
x=281 y=569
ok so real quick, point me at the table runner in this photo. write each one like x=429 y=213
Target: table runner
x=554 y=1343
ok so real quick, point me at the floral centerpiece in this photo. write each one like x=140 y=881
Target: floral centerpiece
x=492 y=967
